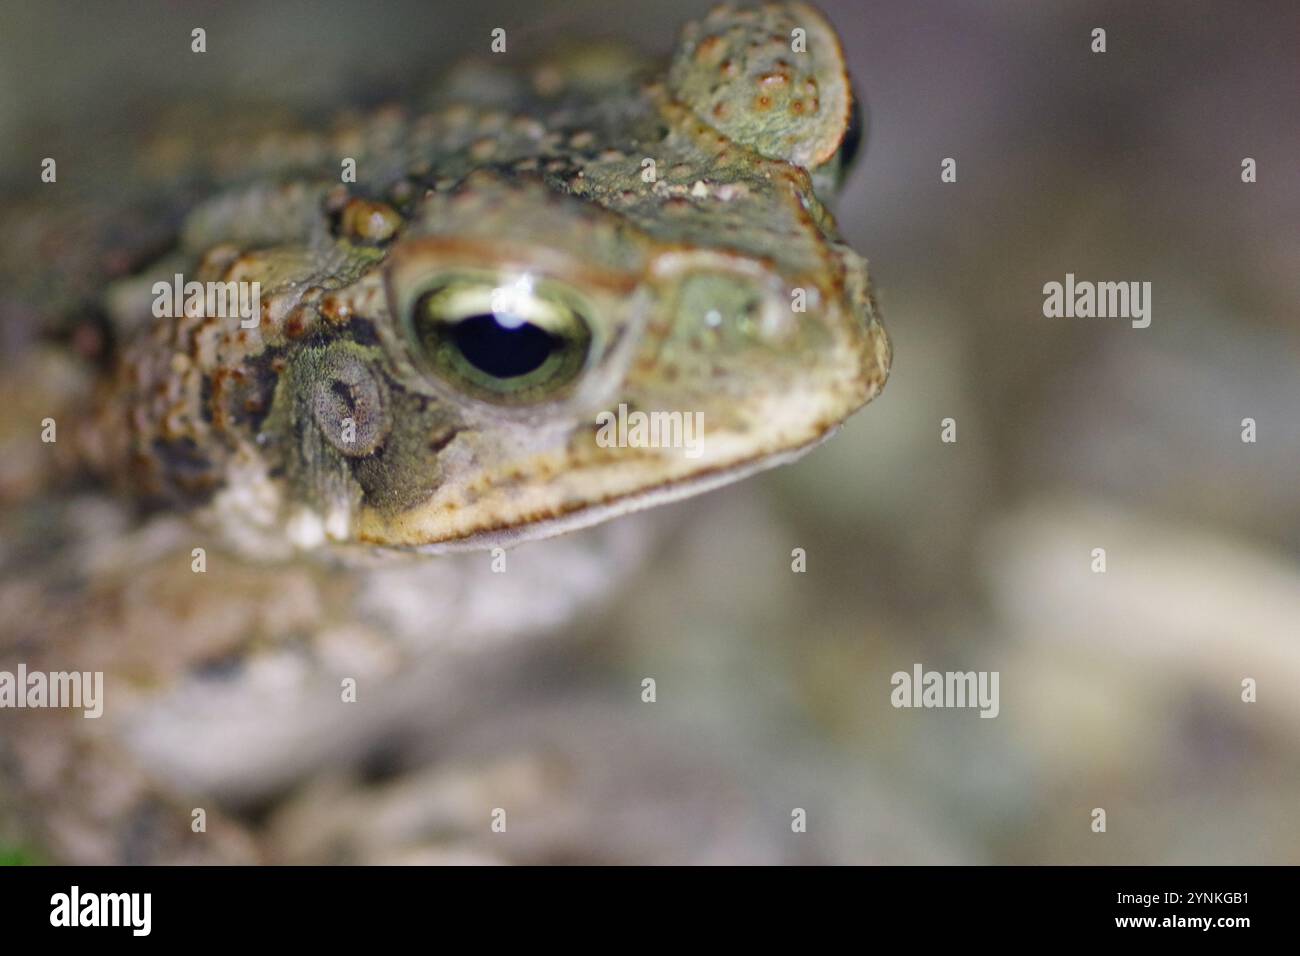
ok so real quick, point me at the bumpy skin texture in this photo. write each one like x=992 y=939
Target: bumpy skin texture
x=678 y=210
x=546 y=180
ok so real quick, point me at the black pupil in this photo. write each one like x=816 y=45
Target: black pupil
x=503 y=351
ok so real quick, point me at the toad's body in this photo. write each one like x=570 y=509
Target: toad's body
x=436 y=341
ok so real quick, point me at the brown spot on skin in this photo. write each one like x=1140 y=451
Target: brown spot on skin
x=708 y=48
x=364 y=220
x=720 y=111
x=298 y=322
x=763 y=103
x=334 y=310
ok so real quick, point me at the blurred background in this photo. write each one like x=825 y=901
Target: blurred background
x=1120 y=690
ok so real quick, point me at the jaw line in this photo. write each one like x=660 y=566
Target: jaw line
x=625 y=504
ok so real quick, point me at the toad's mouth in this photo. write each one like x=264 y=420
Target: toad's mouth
x=563 y=518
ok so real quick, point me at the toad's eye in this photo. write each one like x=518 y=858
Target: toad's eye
x=513 y=342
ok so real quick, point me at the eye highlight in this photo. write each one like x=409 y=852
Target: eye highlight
x=511 y=342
